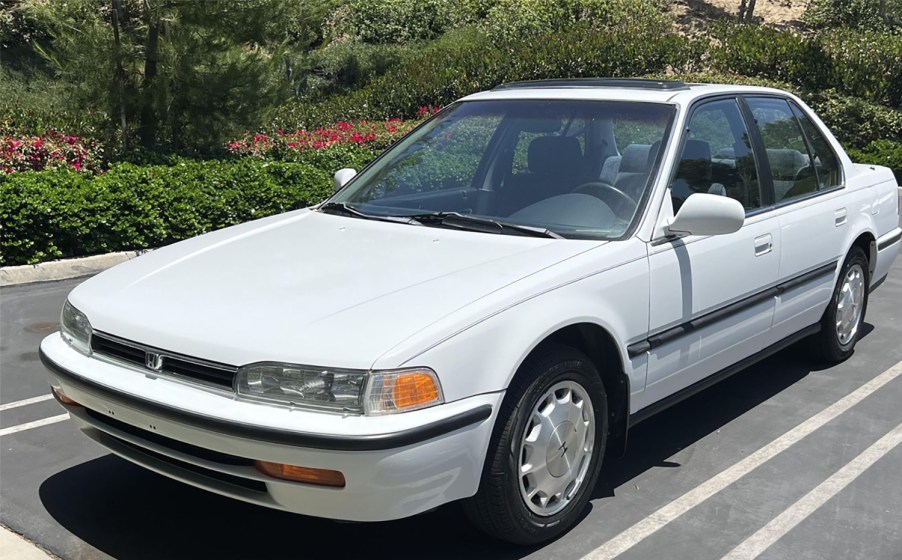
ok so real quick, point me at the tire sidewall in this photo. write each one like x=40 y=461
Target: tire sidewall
x=541 y=527
x=856 y=256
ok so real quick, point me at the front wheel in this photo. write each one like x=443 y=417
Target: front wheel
x=841 y=323
x=546 y=449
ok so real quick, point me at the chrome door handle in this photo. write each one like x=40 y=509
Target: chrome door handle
x=839 y=217
x=764 y=244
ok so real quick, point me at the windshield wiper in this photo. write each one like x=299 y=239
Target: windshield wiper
x=486 y=225
x=345 y=210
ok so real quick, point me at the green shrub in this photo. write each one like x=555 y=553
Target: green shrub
x=331 y=159
x=58 y=214
x=402 y=21
x=509 y=20
x=32 y=104
x=772 y=54
x=862 y=14
x=856 y=122
x=866 y=64
x=345 y=64
x=448 y=69
x=881 y=152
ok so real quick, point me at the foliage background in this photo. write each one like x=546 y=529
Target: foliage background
x=134 y=123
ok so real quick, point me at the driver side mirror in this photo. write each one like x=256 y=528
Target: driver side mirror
x=342 y=176
x=707 y=214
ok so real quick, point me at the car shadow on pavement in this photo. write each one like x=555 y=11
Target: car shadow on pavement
x=653 y=441
x=131 y=513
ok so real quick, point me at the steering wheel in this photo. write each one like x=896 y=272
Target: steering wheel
x=621 y=203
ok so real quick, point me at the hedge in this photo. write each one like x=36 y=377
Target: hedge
x=466 y=60
x=58 y=214
x=881 y=152
x=866 y=64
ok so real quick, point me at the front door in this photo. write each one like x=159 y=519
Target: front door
x=712 y=300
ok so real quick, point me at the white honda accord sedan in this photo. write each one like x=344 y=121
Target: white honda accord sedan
x=486 y=309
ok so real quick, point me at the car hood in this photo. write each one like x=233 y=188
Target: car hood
x=308 y=287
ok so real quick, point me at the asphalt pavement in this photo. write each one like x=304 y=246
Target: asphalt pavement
x=812 y=472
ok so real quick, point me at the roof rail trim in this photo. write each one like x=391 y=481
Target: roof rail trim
x=633 y=83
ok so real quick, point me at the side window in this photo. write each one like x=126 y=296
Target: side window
x=717 y=157
x=791 y=164
x=826 y=164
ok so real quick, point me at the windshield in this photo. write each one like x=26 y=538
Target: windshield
x=564 y=168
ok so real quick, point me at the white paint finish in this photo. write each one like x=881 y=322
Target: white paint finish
x=341 y=292
x=486 y=352
x=300 y=288
x=692 y=276
x=708 y=214
x=668 y=513
x=753 y=546
x=224 y=405
x=25 y=402
x=811 y=238
x=35 y=424
x=381 y=485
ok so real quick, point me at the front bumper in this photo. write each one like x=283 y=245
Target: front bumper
x=395 y=466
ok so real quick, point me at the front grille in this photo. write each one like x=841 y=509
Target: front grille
x=181 y=366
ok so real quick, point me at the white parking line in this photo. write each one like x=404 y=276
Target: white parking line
x=24 y=402
x=638 y=532
x=797 y=512
x=35 y=424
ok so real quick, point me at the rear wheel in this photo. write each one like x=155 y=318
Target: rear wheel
x=841 y=323
x=543 y=460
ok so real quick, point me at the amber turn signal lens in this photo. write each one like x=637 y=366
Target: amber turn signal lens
x=63 y=399
x=321 y=477
x=413 y=389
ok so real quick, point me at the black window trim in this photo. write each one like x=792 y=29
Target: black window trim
x=755 y=132
x=684 y=135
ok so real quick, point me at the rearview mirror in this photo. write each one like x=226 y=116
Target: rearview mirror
x=708 y=214
x=342 y=176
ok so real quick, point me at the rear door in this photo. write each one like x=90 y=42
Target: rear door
x=811 y=206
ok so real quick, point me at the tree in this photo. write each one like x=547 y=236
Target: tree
x=183 y=74
x=746 y=9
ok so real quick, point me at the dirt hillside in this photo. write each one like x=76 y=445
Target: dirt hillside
x=694 y=14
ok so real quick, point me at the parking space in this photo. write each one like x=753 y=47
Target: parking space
x=830 y=489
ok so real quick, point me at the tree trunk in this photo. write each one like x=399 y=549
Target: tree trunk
x=750 y=11
x=149 y=121
x=120 y=73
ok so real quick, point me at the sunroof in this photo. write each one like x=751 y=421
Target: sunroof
x=634 y=83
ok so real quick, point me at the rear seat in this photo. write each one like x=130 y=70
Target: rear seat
x=785 y=166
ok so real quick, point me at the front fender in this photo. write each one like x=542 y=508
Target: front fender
x=484 y=355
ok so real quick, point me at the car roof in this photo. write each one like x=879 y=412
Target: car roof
x=602 y=89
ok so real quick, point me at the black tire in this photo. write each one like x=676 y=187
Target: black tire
x=826 y=346
x=498 y=508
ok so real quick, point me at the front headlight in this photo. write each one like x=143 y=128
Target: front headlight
x=75 y=329
x=339 y=390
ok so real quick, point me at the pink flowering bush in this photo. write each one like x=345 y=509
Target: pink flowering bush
x=374 y=135
x=51 y=150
